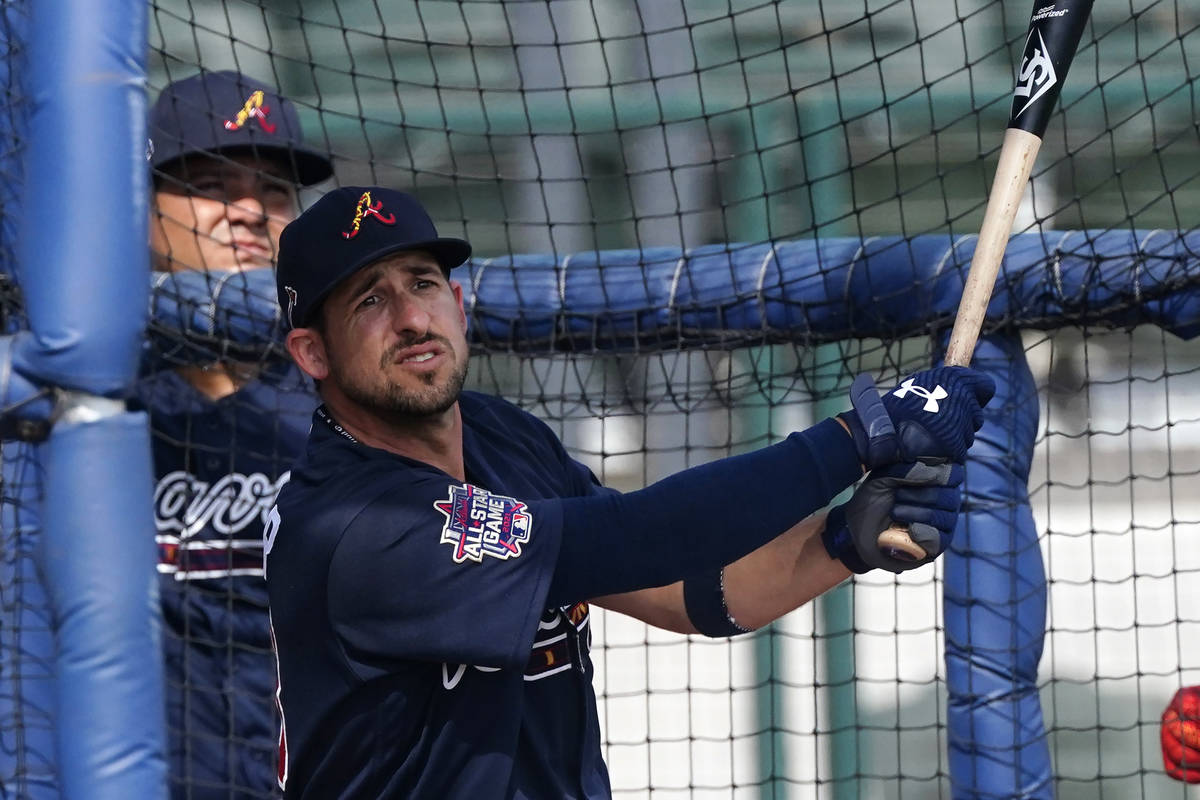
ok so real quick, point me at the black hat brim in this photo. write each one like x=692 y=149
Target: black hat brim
x=447 y=252
x=310 y=166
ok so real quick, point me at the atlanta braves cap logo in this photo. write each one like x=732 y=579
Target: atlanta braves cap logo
x=253 y=108
x=365 y=208
x=479 y=523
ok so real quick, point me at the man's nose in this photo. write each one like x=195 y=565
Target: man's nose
x=246 y=208
x=411 y=317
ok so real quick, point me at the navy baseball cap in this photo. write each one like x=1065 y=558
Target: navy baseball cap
x=226 y=112
x=347 y=229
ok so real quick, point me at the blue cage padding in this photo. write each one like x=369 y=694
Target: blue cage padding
x=827 y=290
x=812 y=292
x=994 y=599
x=82 y=266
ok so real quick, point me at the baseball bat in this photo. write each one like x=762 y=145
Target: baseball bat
x=1054 y=32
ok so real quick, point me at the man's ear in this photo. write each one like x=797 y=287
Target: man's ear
x=160 y=255
x=456 y=287
x=307 y=349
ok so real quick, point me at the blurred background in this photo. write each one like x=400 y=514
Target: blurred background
x=563 y=127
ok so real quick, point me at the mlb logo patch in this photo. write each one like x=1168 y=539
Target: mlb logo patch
x=479 y=523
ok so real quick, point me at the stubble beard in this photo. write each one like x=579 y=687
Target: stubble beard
x=388 y=399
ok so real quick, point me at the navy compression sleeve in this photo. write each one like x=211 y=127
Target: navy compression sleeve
x=698 y=519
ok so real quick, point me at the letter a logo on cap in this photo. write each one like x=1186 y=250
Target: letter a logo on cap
x=252 y=108
x=366 y=208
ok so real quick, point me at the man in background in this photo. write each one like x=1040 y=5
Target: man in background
x=227 y=158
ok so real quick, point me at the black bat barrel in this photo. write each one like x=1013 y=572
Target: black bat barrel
x=1055 y=27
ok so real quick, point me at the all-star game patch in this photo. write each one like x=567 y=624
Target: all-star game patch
x=479 y=523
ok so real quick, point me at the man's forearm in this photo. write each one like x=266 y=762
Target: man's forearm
x=698 y=519
x=782 y=575
x=778 y=577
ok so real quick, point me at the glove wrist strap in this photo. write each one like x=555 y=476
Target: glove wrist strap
x=839 y=544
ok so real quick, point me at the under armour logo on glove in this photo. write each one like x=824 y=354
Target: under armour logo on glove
x=887 y=429
x=931 y=397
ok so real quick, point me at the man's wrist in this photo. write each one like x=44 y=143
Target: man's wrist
x=839 y=544
x=846 y=427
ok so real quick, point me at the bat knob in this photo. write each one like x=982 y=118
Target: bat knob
x=896 y=543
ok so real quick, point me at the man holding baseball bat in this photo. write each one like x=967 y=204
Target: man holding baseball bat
x=431 y=562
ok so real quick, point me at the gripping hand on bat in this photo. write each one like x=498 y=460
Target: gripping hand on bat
x=925 y=497
x=931 y=416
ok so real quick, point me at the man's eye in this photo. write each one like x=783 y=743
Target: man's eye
x=368 y=301
x=424 y=283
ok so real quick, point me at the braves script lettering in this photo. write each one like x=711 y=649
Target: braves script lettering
x=199 y=522
x=551 y=652
x=188 y=505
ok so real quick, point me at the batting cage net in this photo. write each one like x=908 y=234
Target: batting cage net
x=694 y=222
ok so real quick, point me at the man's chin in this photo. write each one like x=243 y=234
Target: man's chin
x=238 y=262
x=246 y=265
x=414 y=403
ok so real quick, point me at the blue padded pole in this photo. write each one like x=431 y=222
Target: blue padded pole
x=995 y=599
x=27 y=750
x=28 y=761
x=14 y=18
x=98 y=559
x=82 y=259
x=83 y=265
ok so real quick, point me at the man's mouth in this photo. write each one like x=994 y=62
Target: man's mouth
x=415 y=355
x=252 y=248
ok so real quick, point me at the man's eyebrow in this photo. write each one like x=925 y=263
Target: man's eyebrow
x=422 y=268
x=368 y=279
x=200 y=166
x=271 y=171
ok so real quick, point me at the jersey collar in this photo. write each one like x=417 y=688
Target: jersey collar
x=323 y=414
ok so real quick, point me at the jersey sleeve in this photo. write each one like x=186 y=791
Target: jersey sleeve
x=443 y=571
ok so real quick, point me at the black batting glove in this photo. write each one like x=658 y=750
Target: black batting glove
x=923 y=497
x=931 y=416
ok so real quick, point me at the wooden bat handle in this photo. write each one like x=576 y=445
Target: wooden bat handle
x=1017 y=155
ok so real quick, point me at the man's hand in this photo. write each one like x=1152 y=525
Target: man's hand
x=1181 y=735
x=930 y=416
x=926 y=497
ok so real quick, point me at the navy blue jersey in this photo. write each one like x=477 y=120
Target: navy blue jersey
x=218 y=467
x=417 y=658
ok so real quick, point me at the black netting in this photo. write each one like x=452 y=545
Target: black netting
x=562 y=128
